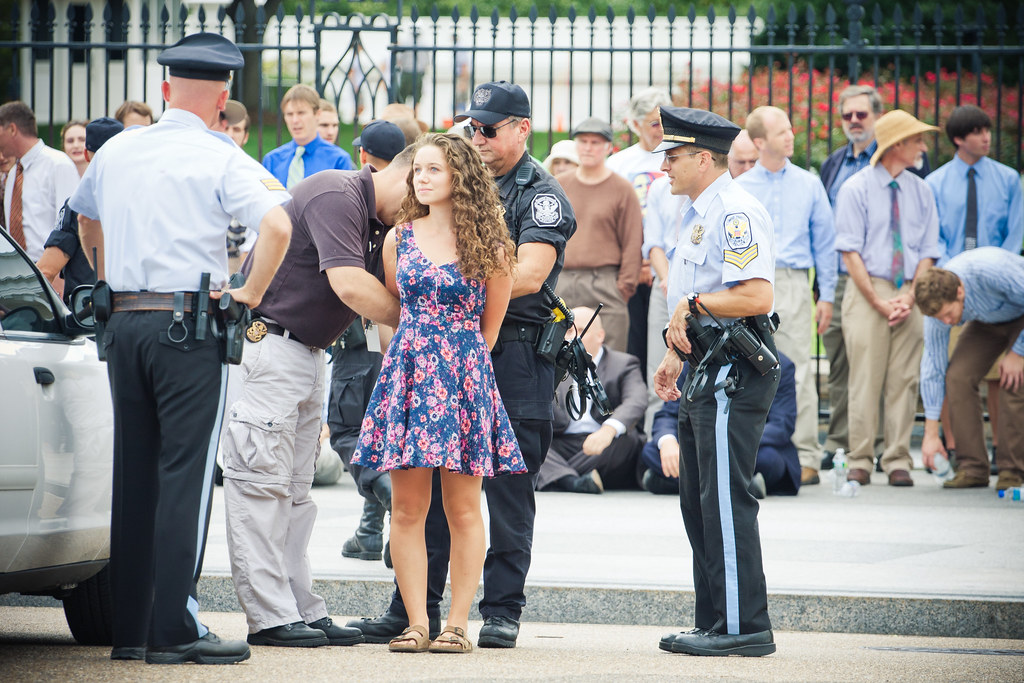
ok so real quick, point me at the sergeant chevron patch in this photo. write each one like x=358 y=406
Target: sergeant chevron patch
x=741 y=259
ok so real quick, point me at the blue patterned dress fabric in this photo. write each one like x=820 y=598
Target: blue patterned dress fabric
x=436 y=403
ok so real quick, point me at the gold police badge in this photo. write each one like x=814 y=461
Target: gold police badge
x=256 y=331
x=697 y=234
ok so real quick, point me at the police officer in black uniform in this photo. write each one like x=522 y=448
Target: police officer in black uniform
x=720 y=280
x=164 y=250
x=540 y=220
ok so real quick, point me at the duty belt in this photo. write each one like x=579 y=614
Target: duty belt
x=151 y=301
x=526 y=332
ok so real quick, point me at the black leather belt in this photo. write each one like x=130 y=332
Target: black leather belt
x=260 y=327
x=519 y=332
x=150 y=301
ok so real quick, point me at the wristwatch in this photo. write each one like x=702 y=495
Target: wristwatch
x=692 y=299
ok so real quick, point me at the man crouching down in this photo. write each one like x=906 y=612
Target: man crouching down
x=331 y=274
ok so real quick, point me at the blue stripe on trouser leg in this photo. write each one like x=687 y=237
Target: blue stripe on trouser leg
x=732 y=588
x=204 y=511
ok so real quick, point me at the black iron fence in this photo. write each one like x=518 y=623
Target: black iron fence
x=83 y=60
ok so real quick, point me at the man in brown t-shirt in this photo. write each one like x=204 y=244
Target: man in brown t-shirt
x=331 y=274
x=602 y=260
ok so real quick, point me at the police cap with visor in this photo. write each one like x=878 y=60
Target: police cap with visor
x=696 y=127
x=202 y=56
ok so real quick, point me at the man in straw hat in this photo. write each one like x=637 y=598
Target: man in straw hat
x=887 y=231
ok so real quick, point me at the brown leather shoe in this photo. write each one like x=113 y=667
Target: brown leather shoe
x=962 y=480
x=1008 y=480
x=862 y=477
x=900 y=478
x=809 y=476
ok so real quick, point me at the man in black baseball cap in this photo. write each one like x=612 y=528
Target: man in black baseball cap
x=496 y=101
x=379 y=143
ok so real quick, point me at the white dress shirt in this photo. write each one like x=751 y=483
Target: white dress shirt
x=50 y=178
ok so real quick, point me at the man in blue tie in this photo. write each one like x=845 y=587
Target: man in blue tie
x=887 y=231
x=980 y=204
x=307 y=152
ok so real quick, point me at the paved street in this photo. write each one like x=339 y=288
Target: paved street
x=35 y=646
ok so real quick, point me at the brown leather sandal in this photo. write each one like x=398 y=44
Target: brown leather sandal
x=452 y=639
x=412 y=639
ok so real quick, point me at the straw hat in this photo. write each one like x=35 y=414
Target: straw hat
x=563 y=149
x=895 y=126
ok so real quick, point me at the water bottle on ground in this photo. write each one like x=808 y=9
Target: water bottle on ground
x=1013 y=494
x=941 y=469
x=839 y=471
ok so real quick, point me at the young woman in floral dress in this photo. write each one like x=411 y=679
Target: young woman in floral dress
x=436 y=404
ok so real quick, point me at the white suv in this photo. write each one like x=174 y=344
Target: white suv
x=56 y=451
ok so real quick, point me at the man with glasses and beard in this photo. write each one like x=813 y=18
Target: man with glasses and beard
x=540 y=220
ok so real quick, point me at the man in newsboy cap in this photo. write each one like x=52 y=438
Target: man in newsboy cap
x=723 y=264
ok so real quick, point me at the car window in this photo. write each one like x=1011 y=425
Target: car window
x=24 y=304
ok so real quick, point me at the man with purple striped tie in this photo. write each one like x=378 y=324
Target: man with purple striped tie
x=887 y=232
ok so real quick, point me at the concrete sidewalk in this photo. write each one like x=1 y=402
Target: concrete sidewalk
x=912 y=561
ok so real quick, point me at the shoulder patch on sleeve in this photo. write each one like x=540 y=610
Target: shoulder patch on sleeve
x=546 y=209
x=740 y=259
x=272 y=184
x=737 y=231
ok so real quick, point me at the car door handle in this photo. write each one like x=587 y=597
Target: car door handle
x=44 y=376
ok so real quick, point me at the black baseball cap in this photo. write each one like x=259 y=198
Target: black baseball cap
x=98 y=131
x=697 y=127
x=202 y=56
x=496 y=101
x=592 y=124
x=381 y=139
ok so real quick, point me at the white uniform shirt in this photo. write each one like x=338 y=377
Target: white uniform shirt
x=50 y=178
x=165 y=194
x=726 y=237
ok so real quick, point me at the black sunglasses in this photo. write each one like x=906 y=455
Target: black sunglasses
x=486 y=131
x=861 y=115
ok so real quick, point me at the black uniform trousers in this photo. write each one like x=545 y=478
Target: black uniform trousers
x=719 y=432
x=354 y=372
x=168 y=402
x=527 y=387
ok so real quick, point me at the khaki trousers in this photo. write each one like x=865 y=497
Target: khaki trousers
x=794 y=337
x=884 y=361
x=979 y=344
x=591 y=286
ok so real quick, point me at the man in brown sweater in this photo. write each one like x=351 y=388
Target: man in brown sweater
x=602 y=260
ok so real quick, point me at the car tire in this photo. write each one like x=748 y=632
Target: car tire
x=88 y=609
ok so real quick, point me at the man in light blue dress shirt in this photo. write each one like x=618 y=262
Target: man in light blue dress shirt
x=887 y=229
x=990 y=213
x=307 y=153
x=980 y=289
x=804 y=239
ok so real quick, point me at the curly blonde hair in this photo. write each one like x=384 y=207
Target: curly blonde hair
x=482 y=243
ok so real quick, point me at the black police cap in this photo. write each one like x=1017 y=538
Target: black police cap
x=495 y=101
x=202 y=56
x=98 y=131
x=697 y=127
x=381 y=139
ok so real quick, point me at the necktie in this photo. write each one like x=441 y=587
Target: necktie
x=897 y=240
x=3 y=189
x=971 y=221
x=14 y=225
x=297 y=169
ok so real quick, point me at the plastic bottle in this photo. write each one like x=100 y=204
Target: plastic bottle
x=1014 y=494
x=839 y=471
x=941 y=469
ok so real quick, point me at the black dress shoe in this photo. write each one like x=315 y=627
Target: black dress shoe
x=289 y=635
x=337 y=635
x=389 y=625
x=666 y=641
x=659 y=484
x=827 y=460
x=207 y=650
x=714 y=644
x=128 y=653
x=498 y=632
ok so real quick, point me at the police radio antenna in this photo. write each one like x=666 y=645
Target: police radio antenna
x=592 y=319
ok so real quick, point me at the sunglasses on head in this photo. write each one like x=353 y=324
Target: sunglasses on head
x=486 y=131
x=861 y=115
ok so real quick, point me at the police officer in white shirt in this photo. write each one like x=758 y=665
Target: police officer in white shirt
x=165 y=363
x=725 y=260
